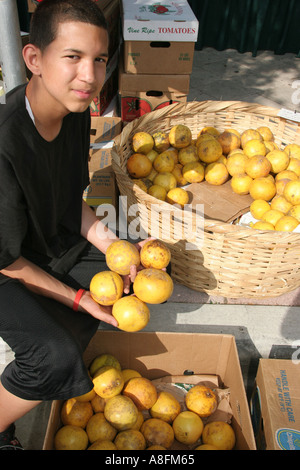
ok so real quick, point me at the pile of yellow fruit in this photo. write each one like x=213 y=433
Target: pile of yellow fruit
x=163 y=162
x=126 y=411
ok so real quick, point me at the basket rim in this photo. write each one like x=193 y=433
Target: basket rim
x=208 y=106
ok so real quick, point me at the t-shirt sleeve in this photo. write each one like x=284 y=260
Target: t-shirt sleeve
x=13 y=217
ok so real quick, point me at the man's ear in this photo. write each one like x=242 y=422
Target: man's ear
x=31 y=56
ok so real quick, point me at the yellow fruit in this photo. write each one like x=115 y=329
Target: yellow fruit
x=121 y=255
x=287 y=223
x=166 y=180
x=235 y=151
x=161 y=141
x=281 y=204
x=106 y=287
x=177 y=172
x=236 y=163
x=138 y=165
x=229 y=141
x=188 y=154
x=178 y=196
x=152 y=155
x=206 y=447
x=219 y=434
x=140 y=419
x=202 y=400
x=141 y=391
x=209 y=130
x=76 y=413
x=166 y=407
x=157 y=432
x=266 y=133
x=155 y=254
x=103 y=445
x=193 y=172
x=172 y=152
x=153 y=286
x=272 y=216
x=131 y=439
x=202 y=137
x=99 y=428
x=131 y=313
x=142 y=142
x=233 y=131
x=270 y=146
x=158 y=191
x=280 y=185
x=261 y=225
x=187 y=427
x=294 y=165
x=292 y=192
x=71 y=438
x=151 y=176
x=293 y=150
x=108 y=382
x=121 y=412
x=87 y=396
x=262 y=188
x=129 y=374
x=254 y=147
x=103 y=360
x=216 y=173
x=294 y=211
x=258 y=208
x=240 y=184
x=257 y=166
x=222 y=159
x=279 y=160
x=286 y=174
x=180 y=136
x=250 y=134
x=98 y=404
x=164 y=163
x=209 y=150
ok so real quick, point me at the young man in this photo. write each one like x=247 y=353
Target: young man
x=49 y=241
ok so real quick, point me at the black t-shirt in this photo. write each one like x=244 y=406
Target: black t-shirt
x=41 y=187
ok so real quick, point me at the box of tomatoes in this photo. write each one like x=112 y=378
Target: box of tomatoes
x=200 y=376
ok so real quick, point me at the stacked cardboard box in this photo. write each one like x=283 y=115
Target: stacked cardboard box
x=157 y=55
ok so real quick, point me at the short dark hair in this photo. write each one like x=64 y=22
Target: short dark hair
x=50 y=13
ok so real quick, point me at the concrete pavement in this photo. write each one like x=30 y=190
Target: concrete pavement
x=260 y=331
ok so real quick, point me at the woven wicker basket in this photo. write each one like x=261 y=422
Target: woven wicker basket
x=226 y=260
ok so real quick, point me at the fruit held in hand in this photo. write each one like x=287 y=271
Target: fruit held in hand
x=155 y=254
x=153 y=286
x=106 y=287
x=120 y=255
x=131 y=313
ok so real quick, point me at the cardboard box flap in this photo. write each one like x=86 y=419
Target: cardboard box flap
x=219 y=202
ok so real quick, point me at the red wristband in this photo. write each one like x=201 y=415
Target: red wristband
x=77 y=299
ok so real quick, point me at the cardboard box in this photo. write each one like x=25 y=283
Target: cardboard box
x=102 y=188
x=141 y=57
x=156 y=355
x=142 y=93
x=275 y=405
x=158 y=39
x=150 y=21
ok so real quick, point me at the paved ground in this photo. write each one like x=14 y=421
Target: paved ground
x=260 y=331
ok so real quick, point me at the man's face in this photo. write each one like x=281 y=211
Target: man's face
x=73 y=66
